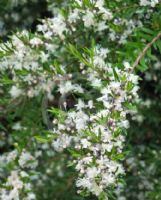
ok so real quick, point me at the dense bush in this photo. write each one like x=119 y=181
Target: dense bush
x=80 y=100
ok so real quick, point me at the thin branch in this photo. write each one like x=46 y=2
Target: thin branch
x=142 y=54
x=125 y=7
x=129 y=6
x=45 y=116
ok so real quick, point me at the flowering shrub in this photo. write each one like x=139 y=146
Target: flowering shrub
x=68 y=91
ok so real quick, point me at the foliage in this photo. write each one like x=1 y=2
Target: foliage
x=68 y=92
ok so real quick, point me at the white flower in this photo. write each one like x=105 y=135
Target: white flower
x=14 y=194
x=79 y=2
x=73 y=16
x=23 y=174
x=62 y=142
x=17 y=126
x=107 y=15
x=58 y=25
x=90 y=104
x=15 y=91
x=124 y=124
x=92 y=172
x=83 y=182
x=81 y=120
x=95 y=82
x=151 y=3
x=126 y=65
x=44 y=57
x=87 y=159
x=99 y=62
x=154 y=3
x=115 y=85
x=96 y=190
x=101 y=26
x=99 y=3
x=27 y=160
x=102 y=52
x=107 y=147
x=12 y=156
x=108 y=178
x=19 y=45
x=88 y=19
x=13 y=180
x=35 y=42
x=147 y=103
x=85 y=143
x=30 y=196
x=133 y=78
x=65 y=87
x=80 y=104
x=78 y=88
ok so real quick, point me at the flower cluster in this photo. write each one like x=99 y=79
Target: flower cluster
x=97 y=134
x=151 y=3
x=18 y=182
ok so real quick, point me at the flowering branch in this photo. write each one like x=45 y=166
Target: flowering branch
x=147 y=47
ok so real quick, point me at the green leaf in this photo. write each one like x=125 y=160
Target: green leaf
x=41 y=139
x=45 y=139
x=115 y=74
x=75 y=153
x=147 y=30
x=73 y=50
x=129 y=86
x=102 y=196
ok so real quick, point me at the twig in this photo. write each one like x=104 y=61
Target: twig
x=141 y=55
x=45 y=116
x=125 y=7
